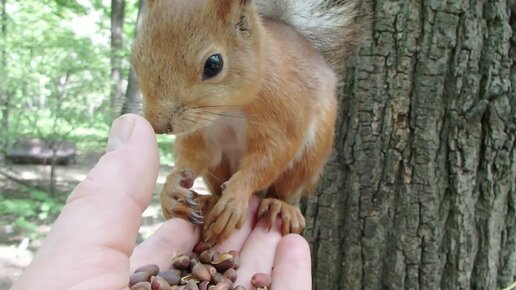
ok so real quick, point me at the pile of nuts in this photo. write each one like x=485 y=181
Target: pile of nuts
x=202 y=269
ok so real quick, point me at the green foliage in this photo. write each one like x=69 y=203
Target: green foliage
x=28 y=208
x=165 y=146
x=58 y=69
x=55 y=83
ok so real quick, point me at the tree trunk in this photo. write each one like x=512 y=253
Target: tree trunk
x=133 y=93
x=421 y=190
x=4 y=89
x=117 y=46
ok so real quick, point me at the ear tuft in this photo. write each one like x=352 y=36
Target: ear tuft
x=227 y=8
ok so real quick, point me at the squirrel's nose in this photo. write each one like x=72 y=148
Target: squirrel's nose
x=168 y=129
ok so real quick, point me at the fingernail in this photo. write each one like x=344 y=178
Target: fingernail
x=120 y=133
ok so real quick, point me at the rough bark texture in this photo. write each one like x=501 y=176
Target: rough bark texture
x=421 y=190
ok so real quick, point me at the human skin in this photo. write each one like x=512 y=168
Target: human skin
x=92 y=242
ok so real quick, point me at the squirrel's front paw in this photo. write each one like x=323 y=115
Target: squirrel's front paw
x=177 y=200
x=228 y=214
x=292 y=219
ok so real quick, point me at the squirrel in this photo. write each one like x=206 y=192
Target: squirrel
x=249 y=90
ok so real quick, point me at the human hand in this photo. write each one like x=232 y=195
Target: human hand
x=92 y=243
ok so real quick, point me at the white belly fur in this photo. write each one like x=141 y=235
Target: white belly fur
x=227 y=137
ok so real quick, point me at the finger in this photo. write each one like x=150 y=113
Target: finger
x=97 y=228
x=258 y=252
x=293 y=252
x=172 y=237
x=238 y=238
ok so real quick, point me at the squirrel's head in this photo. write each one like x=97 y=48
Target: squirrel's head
x=195 y=60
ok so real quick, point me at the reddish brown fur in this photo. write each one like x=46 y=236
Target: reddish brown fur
x=274 y=78
x=223 y=9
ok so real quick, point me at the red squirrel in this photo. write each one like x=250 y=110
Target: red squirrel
x=249 y=91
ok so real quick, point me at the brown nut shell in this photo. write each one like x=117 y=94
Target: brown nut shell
x=221 y=286
x=191 y=285
x=152 y=269
x=139 y=277
x=201 y=272
x=141 y=286
x=187 y=278
x=158 y=283
x=201 y=247
x=239 y=287
x=261 y=280
x=211 y=269
x=223 y=262
x=204 y=285
x=171 y=277
x=236 y=259
x=181 y=262
x=231 y=274
x=216 y=278
x=207 y=256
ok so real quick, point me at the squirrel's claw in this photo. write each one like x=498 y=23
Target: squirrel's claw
x=292 y=219
x=189 y=199
x=196 y=218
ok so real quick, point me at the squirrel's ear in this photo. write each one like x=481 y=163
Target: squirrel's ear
x=227 y=8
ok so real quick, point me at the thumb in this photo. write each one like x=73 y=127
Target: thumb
x=130 y=165
x=96 y=230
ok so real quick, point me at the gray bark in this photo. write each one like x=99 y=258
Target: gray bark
x=421 y=190
x=133 y=93
x=4 y=89
x=117 y=46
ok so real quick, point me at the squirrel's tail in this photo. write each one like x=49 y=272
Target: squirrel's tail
x=332 y=26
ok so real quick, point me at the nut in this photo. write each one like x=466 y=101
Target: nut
x=139 y=277
x=193 y=261
x=207 y=256
x=261 y=280
x=152 y=269
x=223 y=262
x=201 y=247
x=187 y=278
x=236 y=259
x=218 y=278
x=211 y=269
x=141 y=286
x=239 y=287
x=201 y=272
x=231 y=274
x=181 y=262
x=171 y=277
x=158 y=283
x=220 y=286
x=203 y=285
x=191 y=285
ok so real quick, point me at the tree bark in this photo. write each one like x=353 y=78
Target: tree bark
x=133 y=93
x=421 y=190
x=4 y=89
x=117 y=46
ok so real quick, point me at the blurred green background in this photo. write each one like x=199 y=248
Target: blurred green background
x=64 y=74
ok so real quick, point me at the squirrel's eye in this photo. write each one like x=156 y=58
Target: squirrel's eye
x=213 y=66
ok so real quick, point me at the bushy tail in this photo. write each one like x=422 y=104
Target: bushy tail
x=332 y=26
